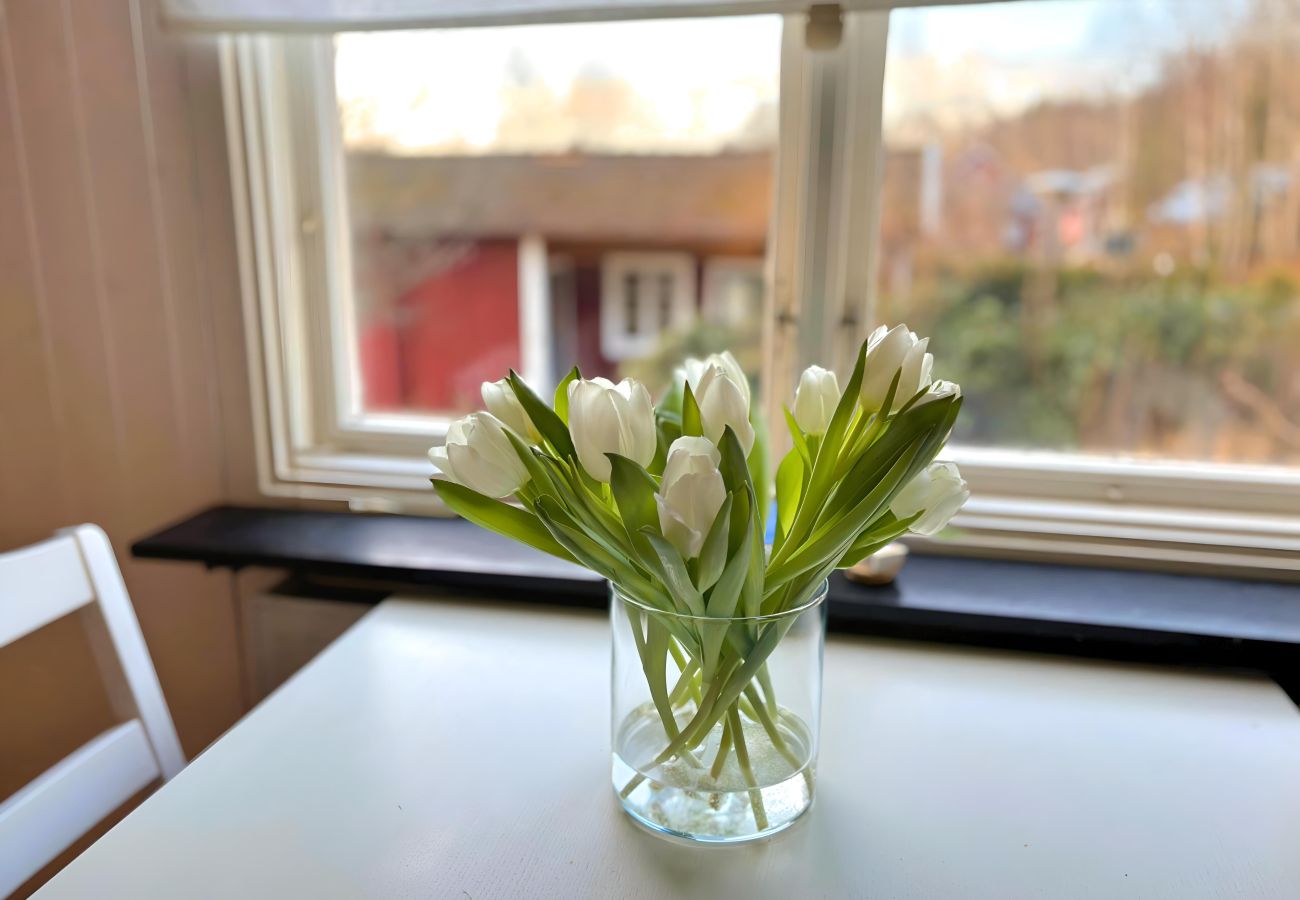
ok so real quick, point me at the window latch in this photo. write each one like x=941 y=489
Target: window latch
x=825 y=26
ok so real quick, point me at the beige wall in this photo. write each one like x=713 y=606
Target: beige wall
x=123 y=394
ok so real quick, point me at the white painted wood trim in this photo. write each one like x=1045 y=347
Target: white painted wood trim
x=859 y=178
x=45 y=816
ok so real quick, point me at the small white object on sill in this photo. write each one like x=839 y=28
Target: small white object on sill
x=881 y=567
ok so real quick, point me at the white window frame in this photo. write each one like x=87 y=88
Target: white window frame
x=822 y=243
x=615 y=342
x=314 y=439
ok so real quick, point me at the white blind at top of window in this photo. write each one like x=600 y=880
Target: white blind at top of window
x=371 y=15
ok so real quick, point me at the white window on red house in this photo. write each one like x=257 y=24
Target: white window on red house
x=644 y=296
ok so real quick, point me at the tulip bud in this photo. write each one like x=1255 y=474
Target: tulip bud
x=723 y=400
x=500 y=400
x=695 y=369
x=611 y=418
x=940 y=390
x=890 y=351
x=815 y=399
x=691 y=493
x=936 y=493
x=479 y=455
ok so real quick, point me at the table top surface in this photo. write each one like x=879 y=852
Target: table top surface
x=445 y=749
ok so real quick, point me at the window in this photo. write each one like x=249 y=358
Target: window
x=1093 y=208
x=437 y=207
x=574 y=138
x=644 y=297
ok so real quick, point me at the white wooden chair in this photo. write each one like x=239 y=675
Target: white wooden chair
x=39 y=584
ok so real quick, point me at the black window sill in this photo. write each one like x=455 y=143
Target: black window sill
x=1114 y=614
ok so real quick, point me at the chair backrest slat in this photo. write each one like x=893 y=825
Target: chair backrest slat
x=124 y=630
x=39 y=584
x=44 y=817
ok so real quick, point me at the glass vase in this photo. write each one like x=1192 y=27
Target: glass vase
x=715 y=720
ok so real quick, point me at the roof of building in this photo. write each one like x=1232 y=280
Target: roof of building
x=719 y=198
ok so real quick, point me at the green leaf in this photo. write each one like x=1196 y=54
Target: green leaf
x=540 y=478
x=833 y=539
x=586 y=546
x=725 y=594
x=549 y=425
x=913 y=428
x=939 y=437
x=845 y=408
x=676 y=578
x=758 y=468
x=738 y=527
x=713 y=555
x=733 y=465
x=691 y=423
x=655 y=664
x=797 y=436
x=722 y=604
x=667 y=430
x=789 y=489
x=751 y=594
x=822 y=479
x=634 y=494
x=502 y=518
x=888 y=403
x=562 y=394
x=874 y=539
x=671 y=404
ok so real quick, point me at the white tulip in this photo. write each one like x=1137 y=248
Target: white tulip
x=936 y=493
x=479 y=455
x=611 y=418
x=691 y=493
x=889 y=351
x=500 y=400
x=940 y=390
x=694 y=370
x=815 y=399
x=723 y=400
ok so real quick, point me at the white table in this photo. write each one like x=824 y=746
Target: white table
x=461 y=750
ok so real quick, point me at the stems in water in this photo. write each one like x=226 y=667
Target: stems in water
x=724 y=747
x=742 y=757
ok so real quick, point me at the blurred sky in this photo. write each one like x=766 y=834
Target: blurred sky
x=702 y=85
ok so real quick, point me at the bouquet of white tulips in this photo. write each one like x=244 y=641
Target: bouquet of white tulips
x=670 y=502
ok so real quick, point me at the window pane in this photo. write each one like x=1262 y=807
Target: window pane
x=635 y=153
x=1093 y=206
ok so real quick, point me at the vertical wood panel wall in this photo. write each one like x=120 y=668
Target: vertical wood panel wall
x=123 y=391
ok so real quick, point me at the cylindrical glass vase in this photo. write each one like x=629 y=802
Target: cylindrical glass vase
x=715 y=720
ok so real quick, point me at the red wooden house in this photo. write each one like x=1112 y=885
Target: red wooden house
x=466 y=266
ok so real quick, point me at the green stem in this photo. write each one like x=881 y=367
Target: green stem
x=650 y=667
x=742 y=757
x=701 y=724
x=724 y=747
x=765 y=681
x=760 y=715
x=685 y=683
